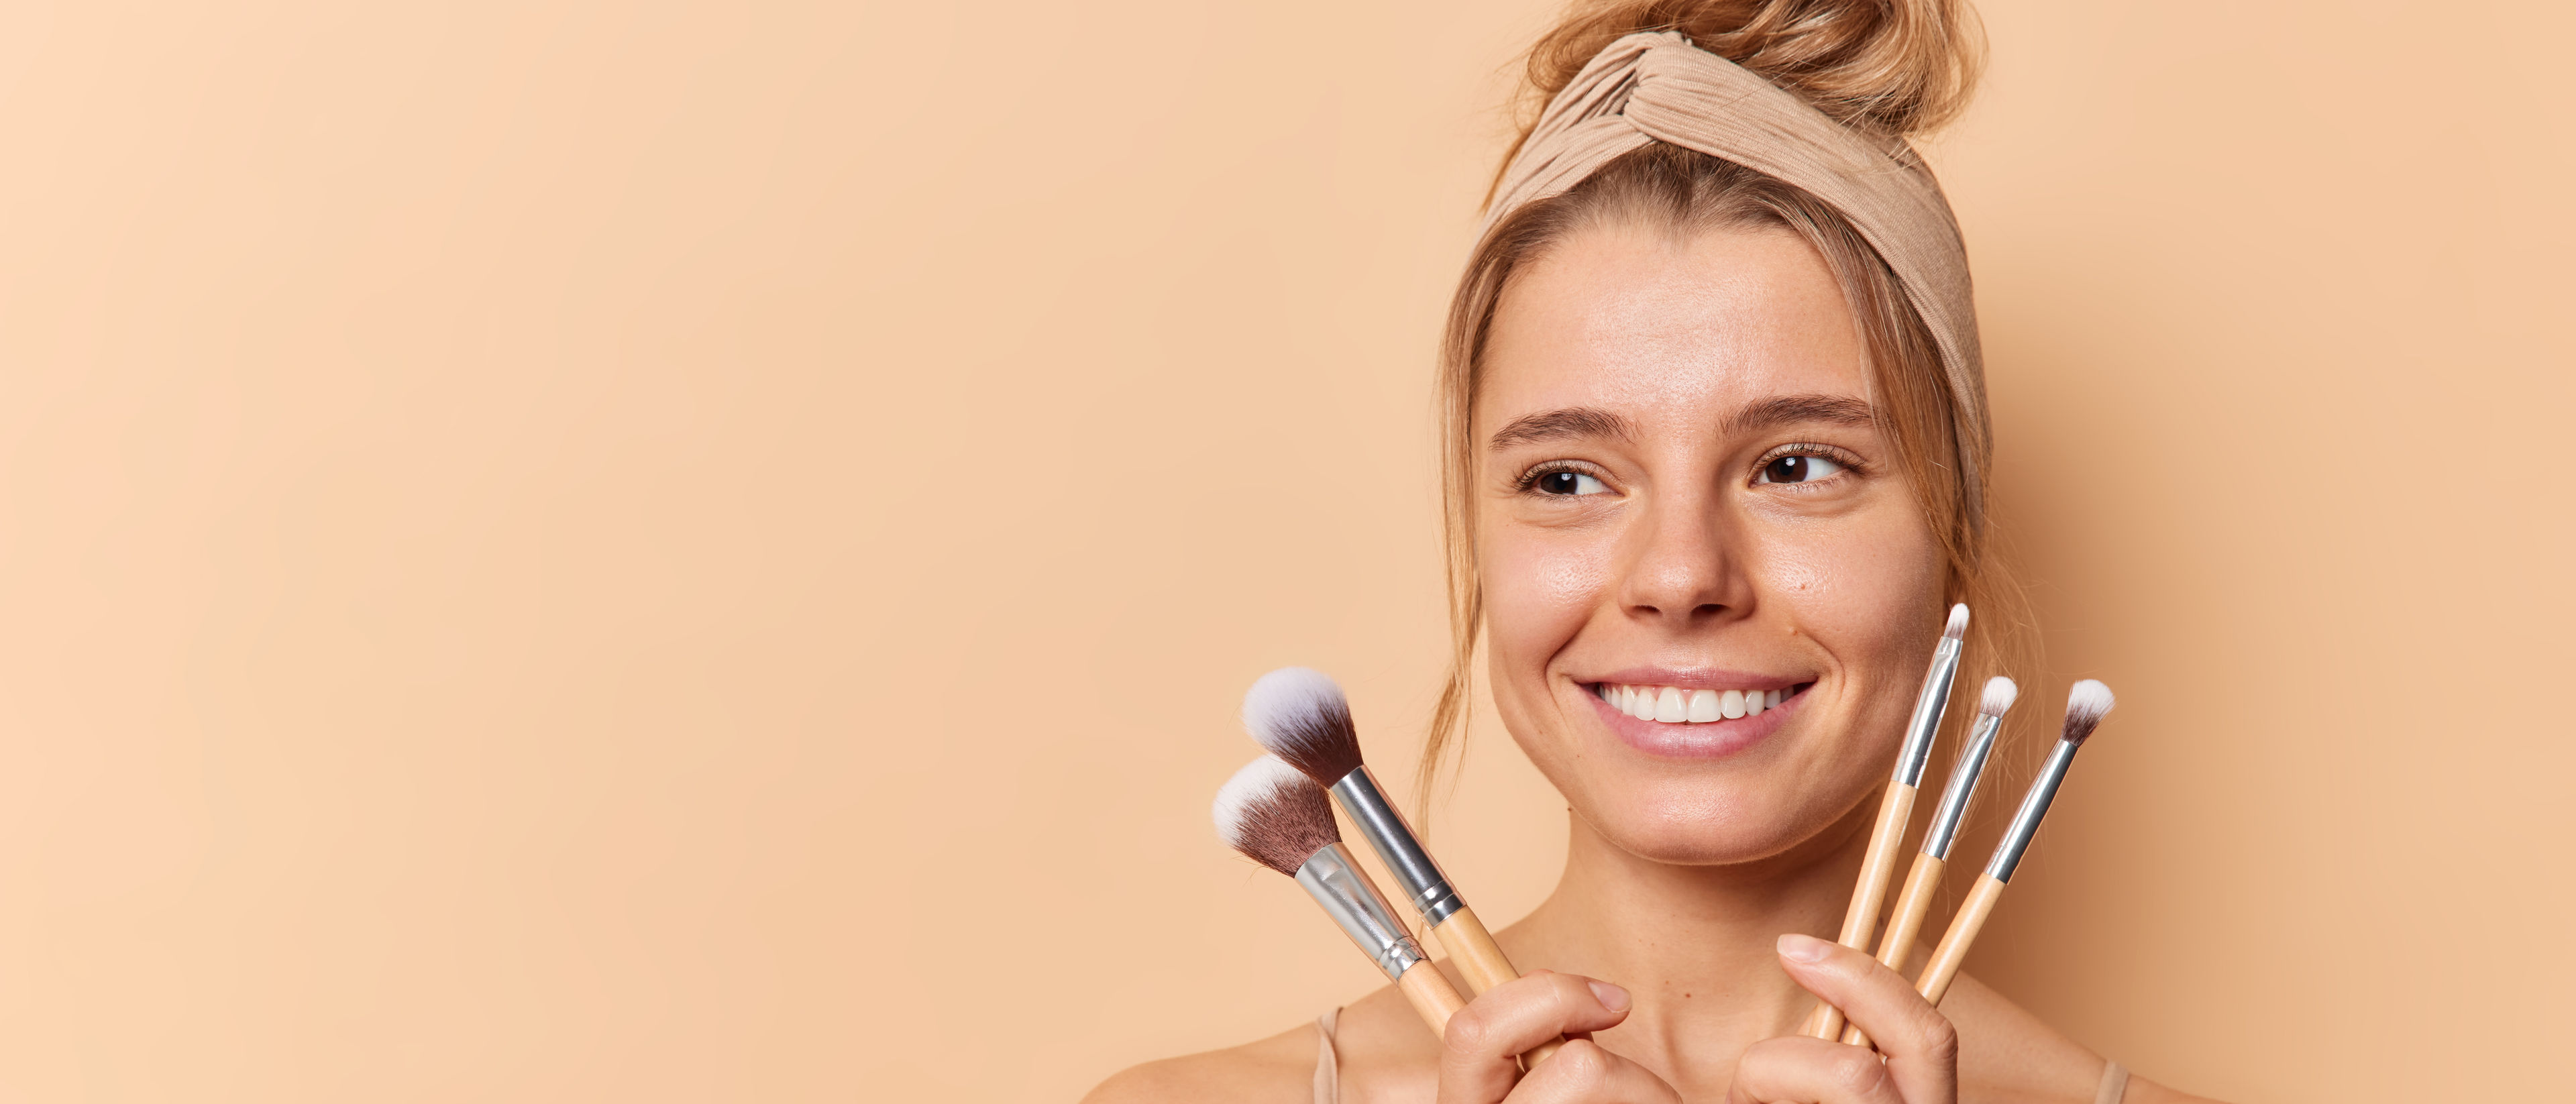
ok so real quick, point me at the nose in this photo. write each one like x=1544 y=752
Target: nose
x=1681 y=571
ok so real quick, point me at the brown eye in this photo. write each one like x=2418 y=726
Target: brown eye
x=1567 y=483
x=1798 y=469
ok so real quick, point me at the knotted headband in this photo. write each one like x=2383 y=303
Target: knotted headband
x=1658 y=87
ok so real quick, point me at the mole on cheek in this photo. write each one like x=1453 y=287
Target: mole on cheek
x=1798 y=578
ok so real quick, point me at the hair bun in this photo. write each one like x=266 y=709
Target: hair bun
x=1889 y=66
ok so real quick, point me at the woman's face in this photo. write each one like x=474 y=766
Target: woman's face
x=1682 y=497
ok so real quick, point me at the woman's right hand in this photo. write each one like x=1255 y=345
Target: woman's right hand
x=1479 y=1055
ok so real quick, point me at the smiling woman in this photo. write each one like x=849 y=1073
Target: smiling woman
x=1930 y=436
x=1715 y=459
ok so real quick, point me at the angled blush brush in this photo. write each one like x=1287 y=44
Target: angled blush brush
x=1300 y=716
x=1906 y=920
x=2085 y=706
x=1896 y=809
x=1276 y=817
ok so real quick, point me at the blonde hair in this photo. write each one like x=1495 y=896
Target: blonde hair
x=1891 y=67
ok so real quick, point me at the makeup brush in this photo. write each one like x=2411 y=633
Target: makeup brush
x=1300 y=716
x=1906 y=920
x=1277 y=817
x=1896 y=809
x=2085 y=705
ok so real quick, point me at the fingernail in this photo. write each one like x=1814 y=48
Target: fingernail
x=1611 y=996
x=1803 y=948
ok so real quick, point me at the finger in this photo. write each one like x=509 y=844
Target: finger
x=1584 y=1072
x=1922 y=1048
x=1479 y=1052
x=1815 y=1071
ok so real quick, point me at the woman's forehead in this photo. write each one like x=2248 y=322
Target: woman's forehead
x=1661 y=325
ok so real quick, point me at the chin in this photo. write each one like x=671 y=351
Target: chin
x=1691 y=823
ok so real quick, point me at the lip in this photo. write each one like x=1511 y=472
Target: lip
x=1703 y=678
x=1708 y=739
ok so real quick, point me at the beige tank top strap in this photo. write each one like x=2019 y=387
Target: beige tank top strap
x=1328 y=1070
x=2115 y=1084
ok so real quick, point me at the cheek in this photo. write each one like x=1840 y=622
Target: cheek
x=1540 y=588
x=1862 y=596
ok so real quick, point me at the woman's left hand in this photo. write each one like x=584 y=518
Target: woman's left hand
x=1921 y=1048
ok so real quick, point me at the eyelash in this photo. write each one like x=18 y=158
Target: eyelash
x=1530 y=478
x=1850 y=463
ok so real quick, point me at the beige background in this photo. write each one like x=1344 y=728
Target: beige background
x=699 y=551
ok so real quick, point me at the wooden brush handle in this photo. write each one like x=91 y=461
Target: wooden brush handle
x=1474 y=950
x=1944 y=967
x=1431 y=995
x=1860 y=921
x=1904 y=923
x=1481 y=960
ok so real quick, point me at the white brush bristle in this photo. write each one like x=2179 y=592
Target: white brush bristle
x=1257 y=780
x=1299 y=715
x=2000 y=693
x=1957 y=629
x=1287 y=696
x=2089 y=696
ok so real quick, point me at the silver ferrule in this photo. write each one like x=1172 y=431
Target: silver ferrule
x=1929 y=705
x=1944 y=829
x=1417 y=878
x=1352 y=900
x=2025 y=823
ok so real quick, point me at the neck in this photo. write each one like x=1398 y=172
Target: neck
x=1694 y=945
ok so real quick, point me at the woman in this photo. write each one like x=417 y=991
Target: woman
x=1714 y=420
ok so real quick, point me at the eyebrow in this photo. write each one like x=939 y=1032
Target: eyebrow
x=1576 y=422
x=1562 y=425
x=1783 y=410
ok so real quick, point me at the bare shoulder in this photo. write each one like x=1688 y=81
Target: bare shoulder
x=1278 y=1069
x=2005 y=1053
x=1382 y=1053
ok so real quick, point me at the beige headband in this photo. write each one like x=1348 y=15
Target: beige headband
x=1658 y=87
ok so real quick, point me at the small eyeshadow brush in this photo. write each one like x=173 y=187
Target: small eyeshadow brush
x=2086 y=704
x=1921 y=883
x=1896 y=809
x=1277 y=818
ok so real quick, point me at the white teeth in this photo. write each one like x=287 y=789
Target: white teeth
x=1674 y=705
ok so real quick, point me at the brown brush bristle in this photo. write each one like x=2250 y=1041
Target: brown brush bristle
x=1300 y=716
x=2086 y=704
x=1275 y=815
